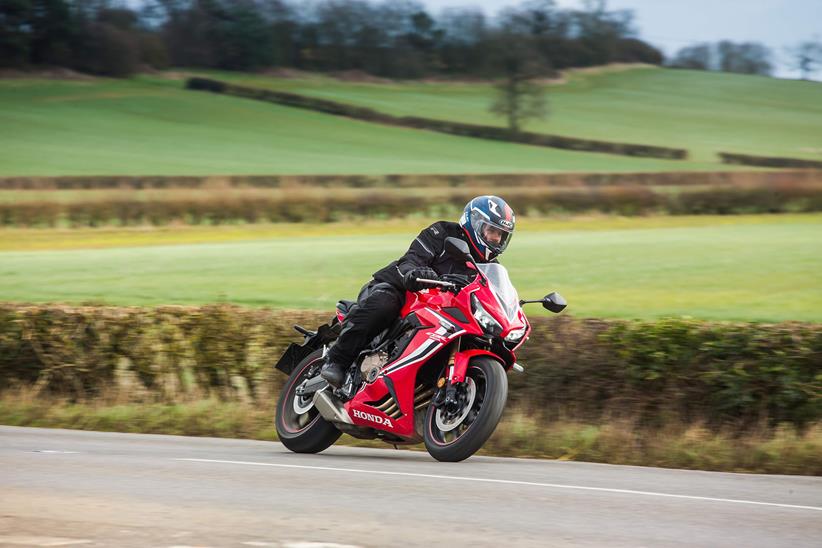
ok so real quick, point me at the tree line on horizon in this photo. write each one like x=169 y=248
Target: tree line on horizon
x=387 y=38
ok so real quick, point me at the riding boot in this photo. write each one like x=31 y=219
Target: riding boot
x=334 y=373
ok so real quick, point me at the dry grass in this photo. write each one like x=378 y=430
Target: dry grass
x=783 y=450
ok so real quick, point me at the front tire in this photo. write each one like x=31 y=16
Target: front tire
x=452 y=439
x=300 y=426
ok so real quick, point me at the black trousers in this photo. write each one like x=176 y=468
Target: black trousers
x=378 y=305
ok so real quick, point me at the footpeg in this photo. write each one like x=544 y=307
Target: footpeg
x=311 y=386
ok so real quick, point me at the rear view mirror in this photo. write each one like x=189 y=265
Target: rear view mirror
x=457 y=248
x=554 y=302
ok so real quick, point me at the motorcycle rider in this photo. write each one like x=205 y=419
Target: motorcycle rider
x=487 y=224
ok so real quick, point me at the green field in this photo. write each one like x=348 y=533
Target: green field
x=756 y=268
x=704 y=112
x=151 y=126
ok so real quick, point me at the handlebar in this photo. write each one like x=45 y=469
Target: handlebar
x=442 y=283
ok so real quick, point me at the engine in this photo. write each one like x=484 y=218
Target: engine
x=372 y=364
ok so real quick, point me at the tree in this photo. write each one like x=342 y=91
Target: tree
x=518 y=96
x=15 y=35
x=53 y=32
x=807 y=57
x=744 y=58
x=115 y=52
x=697 y=57
x=464 y=31
x=599 y=30
x=393 y=38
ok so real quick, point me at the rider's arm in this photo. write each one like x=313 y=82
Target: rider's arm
x=426 y=247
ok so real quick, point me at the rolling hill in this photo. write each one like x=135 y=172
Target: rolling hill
x=705 y=112
x=150 y=125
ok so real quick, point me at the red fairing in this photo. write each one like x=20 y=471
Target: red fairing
x=461 y=360
x=438 y=330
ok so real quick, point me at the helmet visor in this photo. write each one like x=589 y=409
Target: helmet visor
x=494 y=236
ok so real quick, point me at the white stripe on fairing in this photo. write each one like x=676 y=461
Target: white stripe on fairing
x=425 y=350
x=425 y=356
x=510 y=482
x=417 y=354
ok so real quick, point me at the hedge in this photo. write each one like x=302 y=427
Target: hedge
x=442 y=126
x=218 y=207
x=499 y=180
x=769 y=161
x=710 y=373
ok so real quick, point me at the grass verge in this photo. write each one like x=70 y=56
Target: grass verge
x=709 y=269
x=34 y=239
x=783 y=450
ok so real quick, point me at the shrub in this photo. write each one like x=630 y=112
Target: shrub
x=717 y=374
x=304 y=204
x=768 y=161
x=507 y=181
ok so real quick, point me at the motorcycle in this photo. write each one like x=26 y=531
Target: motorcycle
x=437 y=375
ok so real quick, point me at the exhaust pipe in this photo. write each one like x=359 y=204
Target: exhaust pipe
x=330 y=409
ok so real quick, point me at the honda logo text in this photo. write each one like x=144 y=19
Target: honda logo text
x=373 y=418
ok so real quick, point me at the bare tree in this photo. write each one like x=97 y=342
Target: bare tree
x=519 y=97
x=807 y=57
x=744 y=58
x=697 y=57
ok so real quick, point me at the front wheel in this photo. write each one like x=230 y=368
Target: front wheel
x=299 y=425
x=455 y=436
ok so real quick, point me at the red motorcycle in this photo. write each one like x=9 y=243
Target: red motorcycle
x=437 y=375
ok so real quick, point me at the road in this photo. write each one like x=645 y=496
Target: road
x=73 y=488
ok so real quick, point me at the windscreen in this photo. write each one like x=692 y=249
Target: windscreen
x=503 y=288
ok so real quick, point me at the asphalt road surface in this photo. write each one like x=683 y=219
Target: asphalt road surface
x=72 y=488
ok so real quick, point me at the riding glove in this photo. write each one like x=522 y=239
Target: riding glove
x=410 y=279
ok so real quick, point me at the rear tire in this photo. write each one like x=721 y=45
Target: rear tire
x=467 y=436
x=300 y=426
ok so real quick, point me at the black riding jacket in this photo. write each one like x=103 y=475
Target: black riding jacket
x=428 y=249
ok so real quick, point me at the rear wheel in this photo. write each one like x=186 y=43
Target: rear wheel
x=300 y=426
x=455 y=436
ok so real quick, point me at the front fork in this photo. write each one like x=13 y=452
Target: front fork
x=457 y=368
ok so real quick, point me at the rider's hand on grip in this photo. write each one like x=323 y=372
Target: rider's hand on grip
x=410 y=279
x=460 y=280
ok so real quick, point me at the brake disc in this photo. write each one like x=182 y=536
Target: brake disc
x=302 y=404
x=448 y=424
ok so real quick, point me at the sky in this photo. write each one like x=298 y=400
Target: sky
x=673 y=24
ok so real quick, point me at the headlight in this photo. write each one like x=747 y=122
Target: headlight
x=486 y=320
x=515 y=335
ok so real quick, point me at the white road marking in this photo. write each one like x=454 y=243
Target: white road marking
x=509 y=482
x=317 y=545
x=300 y=544
x=41 y=541
x=55 y=452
